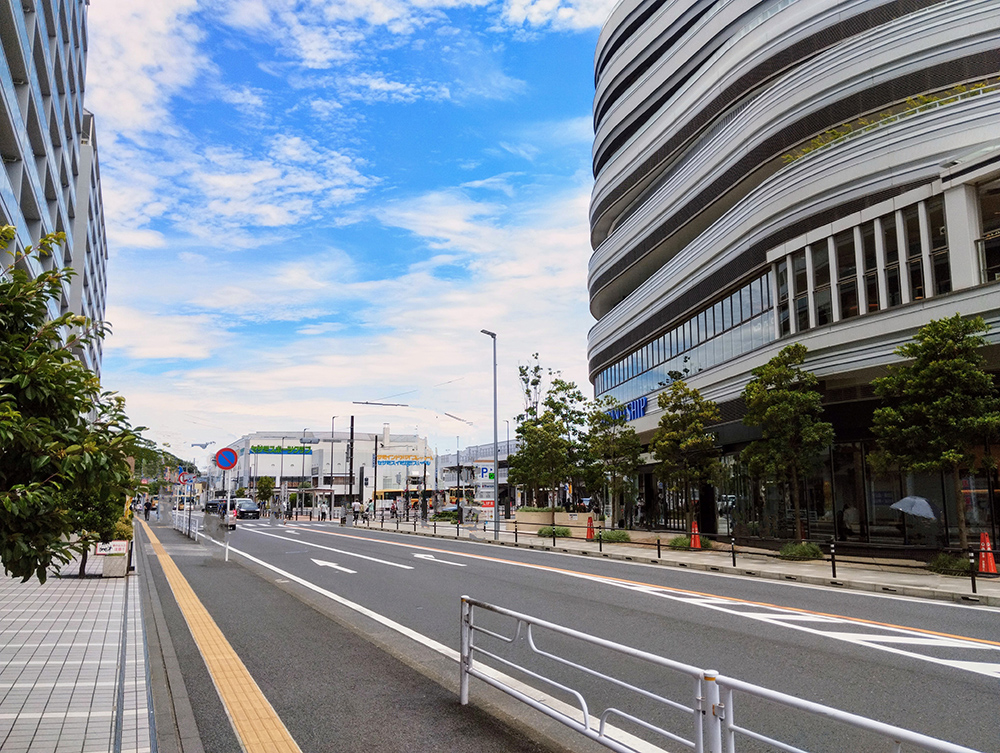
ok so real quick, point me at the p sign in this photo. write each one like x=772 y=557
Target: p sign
x=226 y=458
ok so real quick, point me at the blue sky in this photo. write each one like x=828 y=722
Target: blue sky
x=315 y=203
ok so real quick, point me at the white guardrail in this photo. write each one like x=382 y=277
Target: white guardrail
x=713 y=726
x=187 y=523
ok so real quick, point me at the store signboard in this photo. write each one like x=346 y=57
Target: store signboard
x=484 y=488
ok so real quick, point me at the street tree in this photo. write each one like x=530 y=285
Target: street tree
x=264 y=490
x=783 y=400
x=683 y=445
x=64 y=444
x=939 y=404
x=542 y=459
x=614 y=450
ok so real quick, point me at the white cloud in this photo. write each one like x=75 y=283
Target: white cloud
x=146 y=336
x=559 y=14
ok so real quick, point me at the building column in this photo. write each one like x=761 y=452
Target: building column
x=930 y=284
x=883 y=287
x=961 y=218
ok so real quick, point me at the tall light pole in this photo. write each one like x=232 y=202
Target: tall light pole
x=333 y=494
x=496 y=464
x=506 y=452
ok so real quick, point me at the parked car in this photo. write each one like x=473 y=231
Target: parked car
x=247 y=508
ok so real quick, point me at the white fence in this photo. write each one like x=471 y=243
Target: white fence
x=710 y=704
x=188 y=524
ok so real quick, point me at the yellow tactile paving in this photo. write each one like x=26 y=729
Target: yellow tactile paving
x=255 y=721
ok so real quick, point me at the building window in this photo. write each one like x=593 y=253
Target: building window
x=989 y=242
x=801 y=291
x=940 y=263
x=891 y=247
x=821 y=278
x=871 y=265
x=847 y=273
x=914 y=260
x=784 y=321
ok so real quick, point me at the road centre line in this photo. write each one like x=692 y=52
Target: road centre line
x=338 y=551
x=696 y=598
x=257 y=725
x=637 y=744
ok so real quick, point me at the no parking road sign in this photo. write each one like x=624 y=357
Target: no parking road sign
x=226 y=458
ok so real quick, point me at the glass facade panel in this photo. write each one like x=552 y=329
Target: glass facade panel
x=824 y=307
x=916 y=275
x=868 y=246
x=802 y=313
x=821 y=264
x=848 y=299
x=843 y=244
x=889 y=243
x=871 y=291
x=745 y=303
x=892 y=286
x=911 y=227
x=799 y=271
x=784 y=322
x=782 y=281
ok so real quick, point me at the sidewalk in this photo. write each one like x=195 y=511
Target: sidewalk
x=73 y=670
x=899 y=577
x=73 y=673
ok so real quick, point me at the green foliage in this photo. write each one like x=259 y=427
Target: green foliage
x=801 y=550
x=682 y=444
x=64 y=443
x=949 y=564
x=911 y=106
x=241 y=492
x=614 y=448
x=784 y=401
x=123 y=530
x=940 y=403
x=557 y=531
x=613 y=536
x=264 y=490
x=527 y=508
x=684 y=542
x=446 y=517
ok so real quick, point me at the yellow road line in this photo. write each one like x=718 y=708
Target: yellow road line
x=256 y=723
x=671 y=589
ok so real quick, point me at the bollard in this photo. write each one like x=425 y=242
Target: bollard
x=972 y=569
x=658 y=555
x=600 y=538
x=414 y=523
x=397 y=522
x=310 y=514
x=515 y=531
x=833 y=558
x=553 y=535
x=435 y=524
x=732 y=543
x=458 y=530
x=382 y=526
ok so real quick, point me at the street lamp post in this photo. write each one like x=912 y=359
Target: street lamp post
x=506 y=507
x=496 y=464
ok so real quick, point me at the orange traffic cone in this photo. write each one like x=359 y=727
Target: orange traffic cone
x=695 y=538
x=987 y=564
x=590 y=528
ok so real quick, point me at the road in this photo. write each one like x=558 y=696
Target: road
x=928 y=666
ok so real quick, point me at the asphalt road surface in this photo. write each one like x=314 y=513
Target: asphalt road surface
x=927 y=666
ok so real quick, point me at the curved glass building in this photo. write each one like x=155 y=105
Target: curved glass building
x=794 y=170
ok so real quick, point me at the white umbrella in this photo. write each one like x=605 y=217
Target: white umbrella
x=915 y=506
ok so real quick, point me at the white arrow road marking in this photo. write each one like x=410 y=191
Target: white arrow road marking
x=337 y=551
x=435 y=559
x=636 y=744
x=323 y=563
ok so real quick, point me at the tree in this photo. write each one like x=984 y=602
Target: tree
x=939 y=404
x=64 y=444
x=542 y=459
x=784 y=401
x=264 y=490
x=683 y=445
x=614 y=448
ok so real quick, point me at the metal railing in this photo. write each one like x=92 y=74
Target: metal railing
x=183 y=521
x=710 y=704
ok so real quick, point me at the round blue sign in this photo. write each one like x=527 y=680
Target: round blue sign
x=226 y=458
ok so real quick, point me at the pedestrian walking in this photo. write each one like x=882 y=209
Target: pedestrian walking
x=356 y=508
x=146 y=508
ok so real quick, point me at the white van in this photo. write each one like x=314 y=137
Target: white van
x=227 y=513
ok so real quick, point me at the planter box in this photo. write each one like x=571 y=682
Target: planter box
x=530 y=522
x=115 y=566
x=576 y=522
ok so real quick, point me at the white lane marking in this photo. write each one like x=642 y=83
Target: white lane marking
x=335 y=566
x=637 y=744
x=777 y=618
x=338 y=551
x=432 y=558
